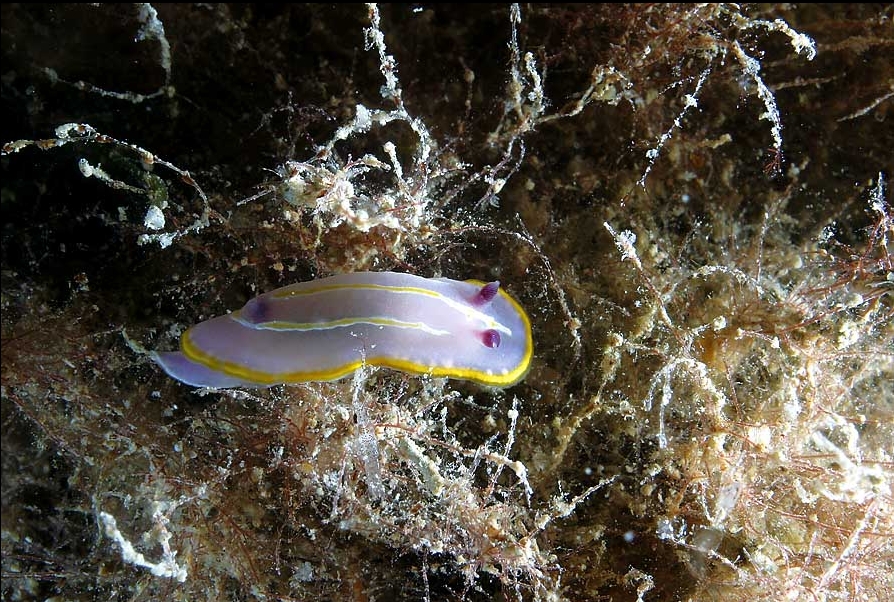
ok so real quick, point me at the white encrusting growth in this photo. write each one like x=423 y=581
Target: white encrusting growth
x=167 y=567
x=690 y=102
x=83 y=133
x=752 y=67
x=151 y=29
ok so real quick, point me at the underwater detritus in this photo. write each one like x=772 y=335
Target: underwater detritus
x=326 y=329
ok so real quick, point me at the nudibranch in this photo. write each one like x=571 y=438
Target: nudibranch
x=326 y=329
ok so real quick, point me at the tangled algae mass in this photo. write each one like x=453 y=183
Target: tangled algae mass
x=692 y=202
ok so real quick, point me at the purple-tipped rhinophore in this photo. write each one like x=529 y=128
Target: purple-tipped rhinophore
x=486 y=294
x=490 y=338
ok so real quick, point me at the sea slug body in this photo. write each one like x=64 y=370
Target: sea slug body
x=326 y=329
